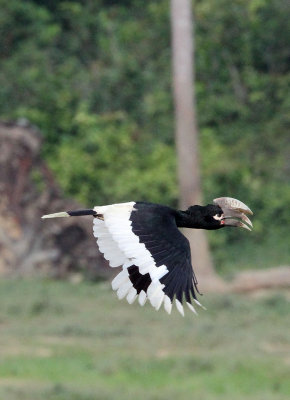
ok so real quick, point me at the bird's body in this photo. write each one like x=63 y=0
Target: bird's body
x=144 y=238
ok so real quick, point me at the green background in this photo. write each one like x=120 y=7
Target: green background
x=95 y=77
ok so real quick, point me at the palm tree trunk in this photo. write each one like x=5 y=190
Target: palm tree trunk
x=186 y=135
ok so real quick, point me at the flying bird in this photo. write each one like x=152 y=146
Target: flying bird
x=155 y=256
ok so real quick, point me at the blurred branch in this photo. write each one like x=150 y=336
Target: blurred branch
x=272 y=278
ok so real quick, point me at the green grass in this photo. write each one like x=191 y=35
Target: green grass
x=61 y=341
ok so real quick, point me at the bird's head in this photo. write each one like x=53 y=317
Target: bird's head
x=225 y=211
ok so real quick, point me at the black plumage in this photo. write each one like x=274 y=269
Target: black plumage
x=157 y=227
x=139 y=281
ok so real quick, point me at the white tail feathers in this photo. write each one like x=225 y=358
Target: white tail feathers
x=56 y=215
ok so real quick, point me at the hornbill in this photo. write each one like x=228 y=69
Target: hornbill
x=155 y=256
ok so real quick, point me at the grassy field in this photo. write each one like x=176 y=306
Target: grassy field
x=65 y=341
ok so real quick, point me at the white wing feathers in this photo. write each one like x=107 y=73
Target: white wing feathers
x=121 y=247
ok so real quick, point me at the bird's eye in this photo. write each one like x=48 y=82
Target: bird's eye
x=218 y=217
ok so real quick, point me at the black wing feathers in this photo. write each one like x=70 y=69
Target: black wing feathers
x=156 y=227
x=139 y=281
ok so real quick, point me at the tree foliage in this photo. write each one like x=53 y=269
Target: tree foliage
x=95 y=77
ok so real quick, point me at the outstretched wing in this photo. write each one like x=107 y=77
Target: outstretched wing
x=155 y=256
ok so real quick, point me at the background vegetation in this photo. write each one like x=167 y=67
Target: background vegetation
x=95 y=77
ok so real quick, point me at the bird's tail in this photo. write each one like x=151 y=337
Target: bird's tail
x=76 y=213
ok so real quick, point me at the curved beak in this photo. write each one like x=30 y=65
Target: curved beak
x=234 y=212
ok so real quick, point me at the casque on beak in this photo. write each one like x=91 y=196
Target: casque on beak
x=234 y=212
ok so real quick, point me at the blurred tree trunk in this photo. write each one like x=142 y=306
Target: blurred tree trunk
x=186 y=135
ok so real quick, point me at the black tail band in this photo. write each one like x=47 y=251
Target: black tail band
x=78 y=213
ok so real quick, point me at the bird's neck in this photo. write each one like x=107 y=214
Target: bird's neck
x=184 y=219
